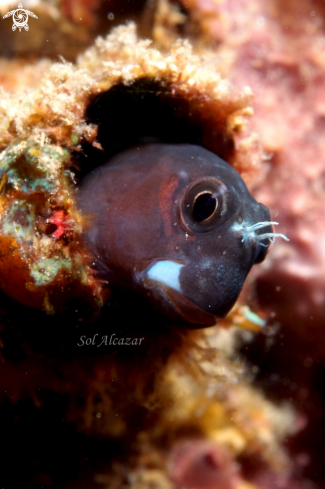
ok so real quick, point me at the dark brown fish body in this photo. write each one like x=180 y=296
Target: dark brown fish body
x=174 y=223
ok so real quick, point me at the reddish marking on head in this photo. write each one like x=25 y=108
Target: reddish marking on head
x=166 y=191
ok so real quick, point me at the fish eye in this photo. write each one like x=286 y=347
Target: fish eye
x=204 y=206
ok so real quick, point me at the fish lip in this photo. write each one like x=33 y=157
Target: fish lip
x=190 y=312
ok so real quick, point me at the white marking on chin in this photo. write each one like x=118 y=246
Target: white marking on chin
x=166 y=272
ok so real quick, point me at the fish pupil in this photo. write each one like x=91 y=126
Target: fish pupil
x=204 y=206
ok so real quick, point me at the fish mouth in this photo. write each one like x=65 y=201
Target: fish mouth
x=162 y=277
x=188 y=310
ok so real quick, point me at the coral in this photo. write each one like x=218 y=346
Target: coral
x=201 y=464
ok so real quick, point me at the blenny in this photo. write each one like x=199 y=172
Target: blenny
x=177 y=225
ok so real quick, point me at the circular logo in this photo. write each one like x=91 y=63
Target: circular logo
x=20 y=19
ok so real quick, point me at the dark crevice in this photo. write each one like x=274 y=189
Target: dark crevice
x=127 y=115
